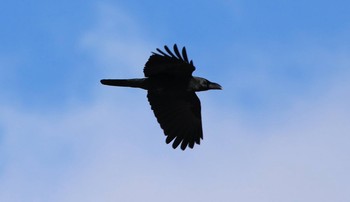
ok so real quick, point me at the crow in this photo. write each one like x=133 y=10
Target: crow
x=171 y=93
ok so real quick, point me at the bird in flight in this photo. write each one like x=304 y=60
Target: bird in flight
x=171 y=93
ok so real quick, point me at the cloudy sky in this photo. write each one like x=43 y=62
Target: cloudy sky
x=279 y=131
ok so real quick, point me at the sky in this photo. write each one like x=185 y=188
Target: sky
x=278 y=131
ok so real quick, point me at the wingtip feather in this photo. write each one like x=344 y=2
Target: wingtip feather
x=184 y=54
x=169 y=51
x=176 y=50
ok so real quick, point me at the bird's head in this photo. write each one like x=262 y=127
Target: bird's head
x=201 y=84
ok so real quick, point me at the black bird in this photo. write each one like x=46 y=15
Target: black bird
x=171 y=93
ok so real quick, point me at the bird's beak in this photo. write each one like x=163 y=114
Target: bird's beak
x=215 y=86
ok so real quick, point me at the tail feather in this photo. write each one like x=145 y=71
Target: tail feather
x=135 y=83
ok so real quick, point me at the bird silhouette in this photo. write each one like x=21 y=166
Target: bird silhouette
x=171 y=93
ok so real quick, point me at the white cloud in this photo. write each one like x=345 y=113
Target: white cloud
x=117 y=40
x=114 y=150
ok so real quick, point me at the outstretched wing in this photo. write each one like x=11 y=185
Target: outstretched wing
x=179 y=116
x=168 y=63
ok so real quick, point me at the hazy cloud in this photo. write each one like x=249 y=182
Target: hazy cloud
x=112 y=149
x=116 y=40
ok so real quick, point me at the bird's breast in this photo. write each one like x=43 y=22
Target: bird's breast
x=163 y=84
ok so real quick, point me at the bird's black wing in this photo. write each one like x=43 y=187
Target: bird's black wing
x=168 y=63
x=179 y=115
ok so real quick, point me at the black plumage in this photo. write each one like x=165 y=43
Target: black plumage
x=171 y=93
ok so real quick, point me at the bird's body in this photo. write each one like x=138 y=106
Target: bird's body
x=171 y=93
x=167 y=84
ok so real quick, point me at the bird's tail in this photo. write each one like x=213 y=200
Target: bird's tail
x=135 y=83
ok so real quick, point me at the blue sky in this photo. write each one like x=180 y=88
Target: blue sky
x=278 y=131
